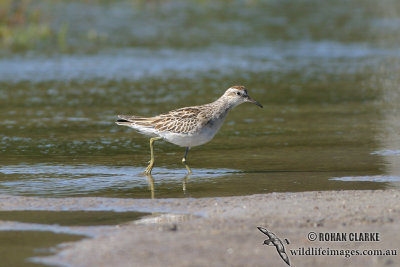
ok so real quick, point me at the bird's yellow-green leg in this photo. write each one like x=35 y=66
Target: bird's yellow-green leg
x=185 y=162
x=151 y=163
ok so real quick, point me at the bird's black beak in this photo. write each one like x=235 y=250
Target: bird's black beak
x=251 y=100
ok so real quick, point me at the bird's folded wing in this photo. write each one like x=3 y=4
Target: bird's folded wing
x=183 y=120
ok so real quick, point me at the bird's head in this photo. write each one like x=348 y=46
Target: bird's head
x=237 y=95
x=268 y=242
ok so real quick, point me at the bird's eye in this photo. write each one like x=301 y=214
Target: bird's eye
x=238 y=93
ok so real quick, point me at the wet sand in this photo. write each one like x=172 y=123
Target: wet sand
x=223 y=231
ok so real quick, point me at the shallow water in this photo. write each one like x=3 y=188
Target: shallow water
x=328 y=80
x=17 y=247
x=27 y=235
x=70 y=218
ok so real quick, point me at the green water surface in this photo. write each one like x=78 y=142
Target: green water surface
x=16 y=247
x=326 y=73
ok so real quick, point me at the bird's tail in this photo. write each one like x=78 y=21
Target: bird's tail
x=132 y=121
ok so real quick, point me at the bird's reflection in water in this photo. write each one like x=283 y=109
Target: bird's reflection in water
x=184 y=182
x=150 y=180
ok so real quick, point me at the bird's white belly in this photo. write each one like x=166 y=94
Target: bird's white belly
x=189 y=140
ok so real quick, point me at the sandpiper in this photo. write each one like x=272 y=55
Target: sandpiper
x=189 y=126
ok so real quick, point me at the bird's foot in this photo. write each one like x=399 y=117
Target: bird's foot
x=188 y=169
x=149 y=169
x=186 y=166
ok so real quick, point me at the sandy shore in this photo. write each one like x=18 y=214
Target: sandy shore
x=223 y=231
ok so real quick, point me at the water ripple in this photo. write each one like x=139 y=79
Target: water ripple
x=139 y=63
x=374 y=178
x=387 y=152
x=41 y=179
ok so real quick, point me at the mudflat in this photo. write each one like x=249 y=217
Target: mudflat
x=223 y=231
